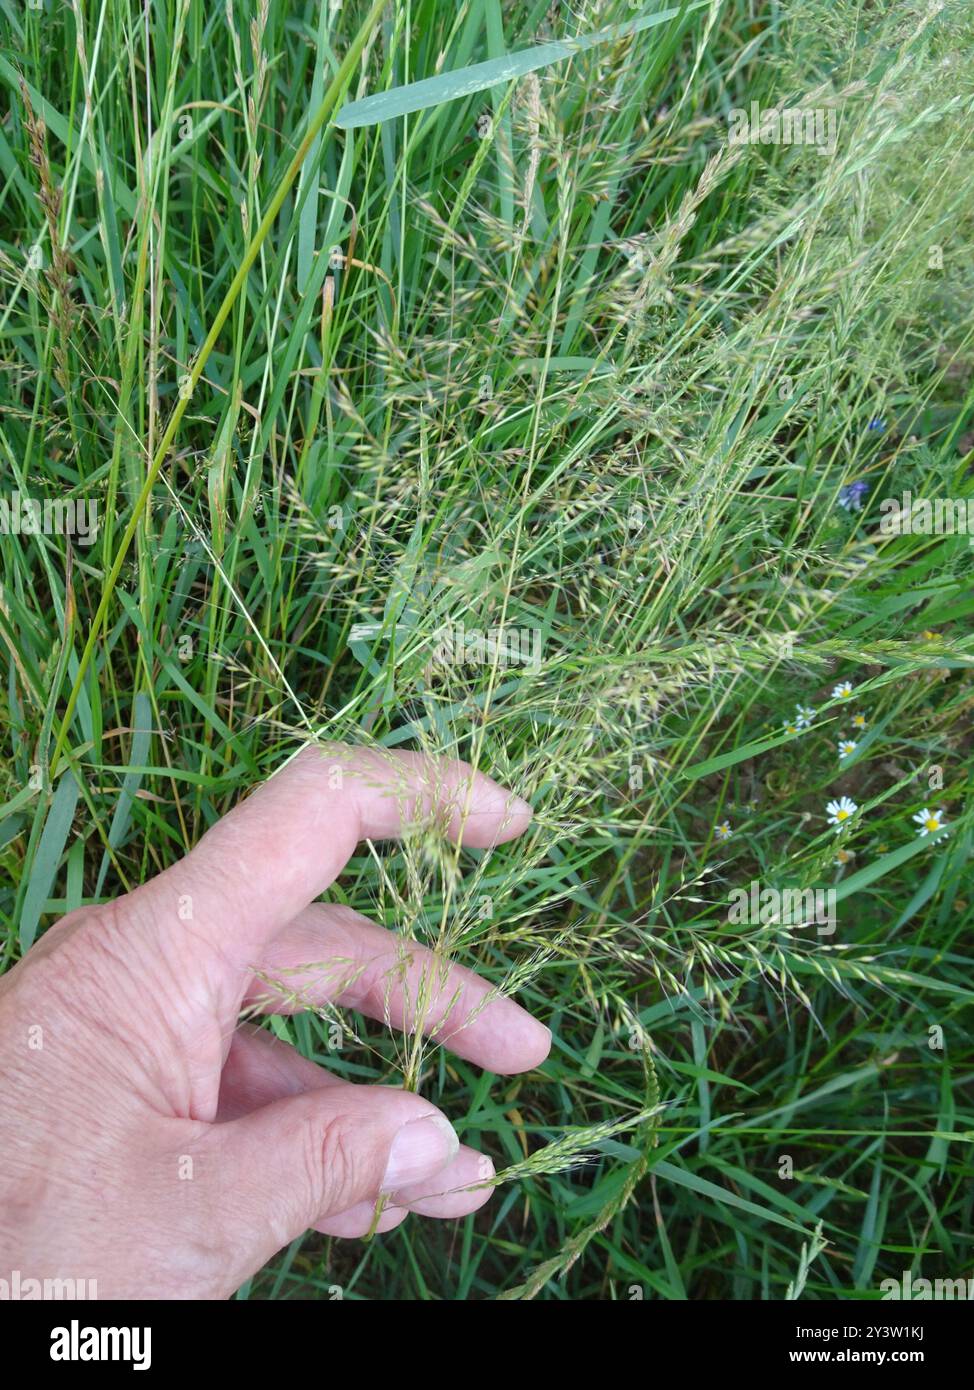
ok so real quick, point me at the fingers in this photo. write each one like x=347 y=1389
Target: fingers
x=461 y=1188
x=281 y=847
x=302 y=1160
x=354 y=1224
x=330 y=953
x=261 y=1069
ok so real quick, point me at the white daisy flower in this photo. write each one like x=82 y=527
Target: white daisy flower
x=847 y=747
x=842 y=691
x=804 y=714
x=858 y=721
x=840 y=811
x=790 y=726
x=930 y=822
x=844 y=857
x=723 y=831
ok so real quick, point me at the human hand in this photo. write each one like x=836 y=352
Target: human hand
x=151 y=1144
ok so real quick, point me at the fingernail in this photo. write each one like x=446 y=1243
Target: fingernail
x=420 y=1150
x=521 y=807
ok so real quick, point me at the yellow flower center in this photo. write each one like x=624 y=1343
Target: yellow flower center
x=842 y=815
x=932 y=823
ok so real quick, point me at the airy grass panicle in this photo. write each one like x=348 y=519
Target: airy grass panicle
x=500 y=407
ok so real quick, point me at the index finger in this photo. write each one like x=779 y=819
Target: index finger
x=281 y=847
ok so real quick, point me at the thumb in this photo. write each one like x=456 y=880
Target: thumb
x=296 y=1161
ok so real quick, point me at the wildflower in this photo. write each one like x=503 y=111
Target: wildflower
x=804 y=714
x=847 y=747
x=842 y=691
x=852 y=495
x=840 y=811
x=791 y=726
x=930 y=822
x=858 y=721
x=876 y=423
x=723 y=831
x=844 y=857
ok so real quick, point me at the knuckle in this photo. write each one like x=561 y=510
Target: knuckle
x=48 y=969
x=73 y=973
x=95 y=942
x=333 y=1170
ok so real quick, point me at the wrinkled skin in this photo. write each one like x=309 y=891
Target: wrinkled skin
x=153 y=1145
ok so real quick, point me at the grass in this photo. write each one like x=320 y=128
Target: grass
x=550 y=355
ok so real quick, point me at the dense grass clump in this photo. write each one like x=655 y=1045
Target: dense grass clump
x=555 y=358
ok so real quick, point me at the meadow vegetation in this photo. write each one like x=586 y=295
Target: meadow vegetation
x=553 y=356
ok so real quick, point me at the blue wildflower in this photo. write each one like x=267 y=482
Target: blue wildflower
x=852 y=495
x=876 y=423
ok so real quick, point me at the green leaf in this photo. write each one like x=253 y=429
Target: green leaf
x=737 y=755
x=723 y=1196
x=478 y=77
x=48 y=857
x=879 y=868
x=138 y=754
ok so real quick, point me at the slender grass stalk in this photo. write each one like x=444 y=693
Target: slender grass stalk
x=331 y=99
x=549 y=353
